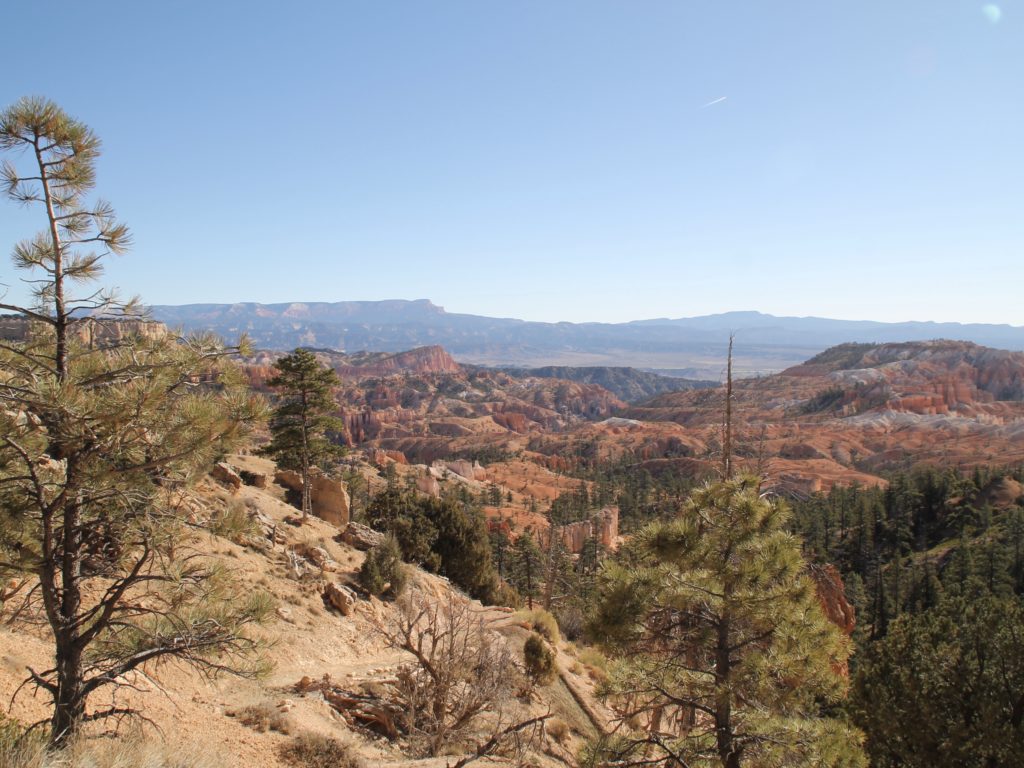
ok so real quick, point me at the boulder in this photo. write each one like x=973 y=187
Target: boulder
x=328 y=496
x=462 y=468
x=361 y=536
x=340 y=597
x=269 y=527
x=320 y=558
x=227 y=474
x=289 y=478
x=330 y=500
x=428 y=485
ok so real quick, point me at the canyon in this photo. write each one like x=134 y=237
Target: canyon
x=848 y=415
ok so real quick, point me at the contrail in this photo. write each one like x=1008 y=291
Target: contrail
x=719 y=100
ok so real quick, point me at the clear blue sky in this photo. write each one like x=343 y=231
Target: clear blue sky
x=548 y=159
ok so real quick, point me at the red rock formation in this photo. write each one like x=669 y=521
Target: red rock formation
x=604 y=526
x=832 y=596
x=421 y=360
x=516 y=422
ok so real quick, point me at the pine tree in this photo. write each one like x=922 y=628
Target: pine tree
x=725 y=654
x=946 y=687
x=97 y=442
x=464 y=547
x=383 y=573
x=303 y=417
x=500 y=545
x=525 y=569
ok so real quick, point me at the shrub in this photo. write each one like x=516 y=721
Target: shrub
x=312 y=750
x=234 y=523
x=383 y=574
x=462 y=671
x=263 y=718
x=541 y=622
x=539 y=660
x=595 y=662
x=558 y=730
x=593 y=658
x=506 y=595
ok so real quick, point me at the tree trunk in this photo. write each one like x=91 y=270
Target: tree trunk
x=70 y=700
x=307 y=503
x=725 y=743
x=727 y=437
x=69 y=703
x=307 y=500
x=529 y=584
x=549 y=584
x=60 y=313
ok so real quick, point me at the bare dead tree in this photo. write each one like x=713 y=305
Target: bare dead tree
x=461 y=670
x=727 y=425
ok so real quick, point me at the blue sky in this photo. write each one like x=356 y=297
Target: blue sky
x=551 y=160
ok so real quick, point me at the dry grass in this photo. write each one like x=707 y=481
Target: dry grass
x=593 y=658
x=558 y=730
x=316 y=751
x=108 y=753
x=595 y=662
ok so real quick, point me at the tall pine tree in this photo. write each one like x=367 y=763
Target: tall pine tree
x=101 y=429
x=725 y=655
x=303 y=417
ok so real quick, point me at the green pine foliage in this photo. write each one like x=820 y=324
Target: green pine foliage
x=929 y=534
x=447 y=536
x=724 y=655
x=945 y=688
x=538 y=660
x=383 y=573
x=526 y=568
x=464 y=547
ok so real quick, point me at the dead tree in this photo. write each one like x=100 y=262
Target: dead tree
x=460 y=671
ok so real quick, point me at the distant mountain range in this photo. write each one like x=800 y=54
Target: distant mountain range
x=692 y=347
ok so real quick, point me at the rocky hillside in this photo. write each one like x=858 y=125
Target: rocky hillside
x=424 y=404
x=330 y=660
x=846 y=415
x=862 y=408
x=626 y=383
x=368 y=365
